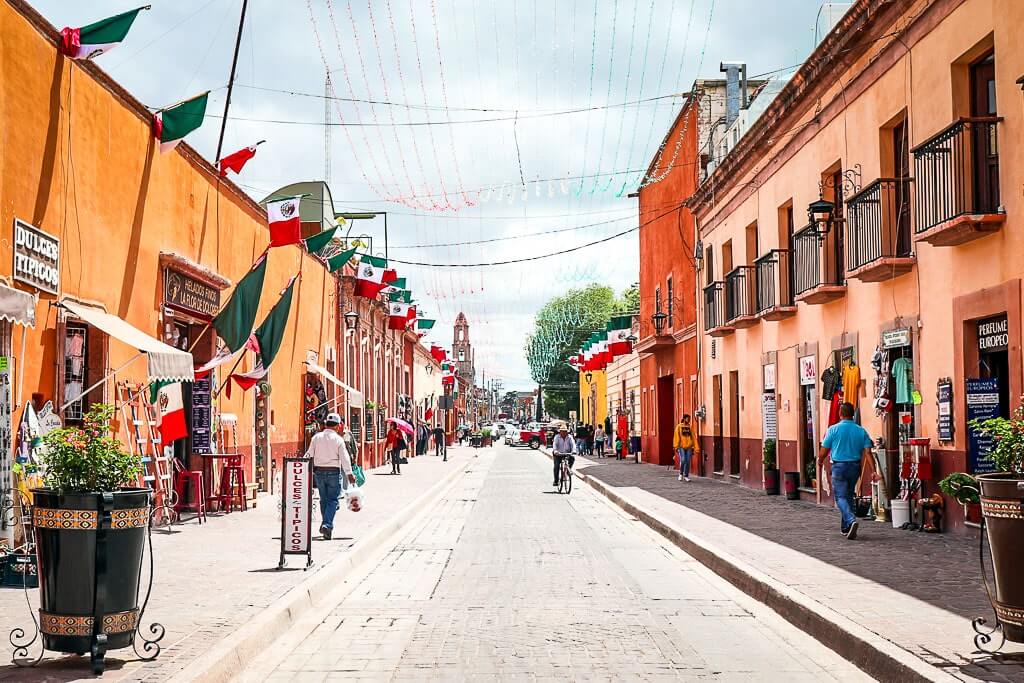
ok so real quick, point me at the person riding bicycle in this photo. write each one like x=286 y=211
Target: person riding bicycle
x=563 y=447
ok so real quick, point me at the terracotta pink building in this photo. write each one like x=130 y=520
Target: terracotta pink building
x=903 y=127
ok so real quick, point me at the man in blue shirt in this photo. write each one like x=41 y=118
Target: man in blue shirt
x=849 y=445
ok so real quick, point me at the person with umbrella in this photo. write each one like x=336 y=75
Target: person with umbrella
x=395 y=441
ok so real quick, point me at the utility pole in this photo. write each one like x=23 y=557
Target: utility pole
x=231 y=82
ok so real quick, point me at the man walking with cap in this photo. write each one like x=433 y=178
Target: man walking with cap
x=330 y=457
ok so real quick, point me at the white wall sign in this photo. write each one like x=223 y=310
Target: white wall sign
x=36 y=257
x=808 y=370
x=893 y=339
x=297 y=497
x=769 y=416
x=769 y=377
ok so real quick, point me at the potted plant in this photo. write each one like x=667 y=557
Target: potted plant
x=90 y=523
x=1002 y=509
x=771 y=471
x=811 y=470
x=485 y=433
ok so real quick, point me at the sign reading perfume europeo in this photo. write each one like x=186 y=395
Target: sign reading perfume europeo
x=36 y=257
x=296 y=507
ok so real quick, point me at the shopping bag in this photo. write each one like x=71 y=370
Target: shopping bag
x=402 y=460
x=358 y=473
x=354 y=498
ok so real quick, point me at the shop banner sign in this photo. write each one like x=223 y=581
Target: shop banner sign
x=808 y=370
x=982 y=397
x=769 y=417
x=36 y=257
x=296 y=509
x=894 y=339
x=944 y=398
x=190 y=295
x=993 y=334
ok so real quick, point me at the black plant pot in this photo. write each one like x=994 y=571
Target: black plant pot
x=1002 y=505
x=771 y=481
x=89 y=548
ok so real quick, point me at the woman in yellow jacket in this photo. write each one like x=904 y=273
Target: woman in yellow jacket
x=685 y=442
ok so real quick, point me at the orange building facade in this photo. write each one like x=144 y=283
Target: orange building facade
x=158 y=240
x=906 y=282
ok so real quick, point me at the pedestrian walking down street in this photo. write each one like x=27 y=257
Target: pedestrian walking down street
x=590 y=440
x=599 y=438
x=330 y=459
x=849 y=446
x=686 y=445
x=440 y=448
x=394 y=444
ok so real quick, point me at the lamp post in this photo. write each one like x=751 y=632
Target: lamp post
x=659 y=319
x=367 y=216
x=351 y=320
x=821 y=214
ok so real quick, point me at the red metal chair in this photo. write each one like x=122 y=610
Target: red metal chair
x=194 y=480
x=232 y=485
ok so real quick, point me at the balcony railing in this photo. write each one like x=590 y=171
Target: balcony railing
x=774 y=281
x=815 y=267
x=878 y=223
x=714 y=305
x=739 y=287
x=957 y=172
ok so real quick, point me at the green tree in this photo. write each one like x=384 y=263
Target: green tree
x=629 y=301
x=560 y=328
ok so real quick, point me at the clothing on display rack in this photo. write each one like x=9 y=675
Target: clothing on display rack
x=902 y=373
x=851 y=383
x=833 y=409
x=829 y=382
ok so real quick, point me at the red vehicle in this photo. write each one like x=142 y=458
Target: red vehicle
x=529 y=435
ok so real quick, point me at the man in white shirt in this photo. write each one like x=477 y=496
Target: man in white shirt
x=562 y=447
x=330 y=457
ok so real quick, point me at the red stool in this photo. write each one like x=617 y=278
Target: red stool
x=232 y=485
x=194 y=480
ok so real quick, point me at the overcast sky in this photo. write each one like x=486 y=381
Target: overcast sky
x=524 y=63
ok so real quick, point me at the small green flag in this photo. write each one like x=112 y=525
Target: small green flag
x=404 y=297
x=270 y=334
x=234 y=322
x=320 y=240
x=171 y=125
x=425 y=323
x=336 y=263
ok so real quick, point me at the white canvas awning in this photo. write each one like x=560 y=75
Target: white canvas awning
x=165 y=362
x=355 y=396
x=17 y=306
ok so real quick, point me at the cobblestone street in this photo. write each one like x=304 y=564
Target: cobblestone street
x=506 y=580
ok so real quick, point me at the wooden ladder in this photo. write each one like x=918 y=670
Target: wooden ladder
x=142 y=433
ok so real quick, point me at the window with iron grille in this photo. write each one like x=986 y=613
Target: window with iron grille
x=657 y=299
x=671 y=305
x=75 y=352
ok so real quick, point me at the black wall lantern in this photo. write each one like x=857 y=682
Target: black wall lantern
x=351 y=320
x=820 y=213
x=659 y=319
x=589 y=376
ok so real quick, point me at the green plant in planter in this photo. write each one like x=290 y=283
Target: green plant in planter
x=88 y=459
x=768 y=454
x=811 y=470
x=962 y=487
x=1008 y=435
x=486 y=433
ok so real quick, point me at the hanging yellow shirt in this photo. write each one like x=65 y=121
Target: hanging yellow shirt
x=851 y=384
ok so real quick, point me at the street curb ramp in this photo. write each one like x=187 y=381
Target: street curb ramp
x=234 y=652
x=871 y=653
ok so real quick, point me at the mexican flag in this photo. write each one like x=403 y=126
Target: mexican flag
x=404 y=296
x=316 y=243
x=437 y=353
x=166 y=396
x=369 y=276
x=425 y=324
x=235 y=162
x=618 y=329
x=271 y=332
x=98 y=38
x=234 y=322
x=171 y=125
x=284 y=220
x=398 y=315
x=339 y=261
x=396 y=285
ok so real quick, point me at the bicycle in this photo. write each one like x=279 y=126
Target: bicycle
x=565 y=475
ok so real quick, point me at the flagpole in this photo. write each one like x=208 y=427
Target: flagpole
x=231 y=81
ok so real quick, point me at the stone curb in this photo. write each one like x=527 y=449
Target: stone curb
x=231 y=655
x=871 y=653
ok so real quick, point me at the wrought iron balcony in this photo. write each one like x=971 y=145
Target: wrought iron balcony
x=775 y=285
x=957 y=176
x=816 y=278
x=878 y=241
x=739 y=300
x=714 y=310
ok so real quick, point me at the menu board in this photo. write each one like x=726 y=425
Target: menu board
x=6 y=453
x=769 y=416
x=202 y=415
x=944 y=397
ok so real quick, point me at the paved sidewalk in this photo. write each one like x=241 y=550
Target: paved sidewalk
x=913 y=589
x=212 y=579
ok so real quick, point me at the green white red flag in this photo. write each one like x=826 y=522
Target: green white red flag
x=618 y=330
x=93 y=40
x=398 y=315
x=392 y=286
x=171 y=125
x=236 y=160
x=370 y=276
x=170 y=405
x=284 y=221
